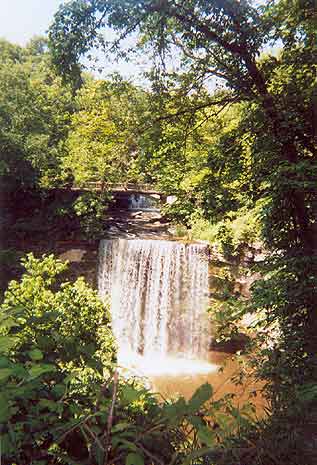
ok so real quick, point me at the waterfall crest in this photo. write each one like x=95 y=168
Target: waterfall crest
x=158 y=294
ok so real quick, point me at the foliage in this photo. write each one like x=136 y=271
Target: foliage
x=232 y=234
x=34 y=116
x=56 y=349
x=253 y=139
x=90 y=208
x=102 y=143
x=81 y=213
x=179 y=211
x=280 y=108
x=153 y=431
x=57 y=353
x=226 y=318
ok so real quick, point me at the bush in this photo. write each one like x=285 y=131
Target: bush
x=179 y=211
x=56 y=348
x=224 y=238
x=232 y=233
x=90 y=208
x=203 y=229
x=61 y=400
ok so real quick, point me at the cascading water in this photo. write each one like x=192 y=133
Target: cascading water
x=158 y=294
x=142 y=202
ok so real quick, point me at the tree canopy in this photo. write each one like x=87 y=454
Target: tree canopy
x=35 y=113
x=267 y=151
x=223 y=39
x=228 y=125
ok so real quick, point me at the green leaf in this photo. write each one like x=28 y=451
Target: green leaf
x=206 y=436
x=5 y=373
x=224 y=422
x=201 y=396
x=100 y=456
x=125 y=444
x=59 y=390
x=36 y=354
x=134 y=459
x=4 y=410
x=6 y=343
x=38 y=370
x=4 y=362
x=6 y=445
x=307 y=393
x=8 y=323
x=120 y=427
x=129 y=394
x=175 y=411
x=50 y=405
x=196 y=454
x=196 y=421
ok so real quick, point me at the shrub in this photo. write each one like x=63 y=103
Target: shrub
x=233 y=232
x=203 y=229
x=56 y=349
x=90 y=208
x=179 y=211
x=61 y=400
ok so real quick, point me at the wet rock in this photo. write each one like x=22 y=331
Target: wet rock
x=238 y=342
x=73 y=255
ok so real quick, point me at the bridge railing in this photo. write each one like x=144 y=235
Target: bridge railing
x=135 y=187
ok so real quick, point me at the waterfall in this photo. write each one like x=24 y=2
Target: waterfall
x=142 y=202
x=158 y=293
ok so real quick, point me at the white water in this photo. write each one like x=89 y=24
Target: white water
x=158 y=294
x=142 y=202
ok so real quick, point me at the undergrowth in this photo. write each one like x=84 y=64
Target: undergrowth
x=62 y=401
x=236 y=230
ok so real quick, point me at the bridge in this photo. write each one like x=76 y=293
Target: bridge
x=132 y=188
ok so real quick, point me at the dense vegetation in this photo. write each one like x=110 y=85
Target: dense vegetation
x=61 y=400
x=241 y=160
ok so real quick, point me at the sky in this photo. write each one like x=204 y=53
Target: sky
x=20 y=20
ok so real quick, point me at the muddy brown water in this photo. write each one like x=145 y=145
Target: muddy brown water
x=226 y=367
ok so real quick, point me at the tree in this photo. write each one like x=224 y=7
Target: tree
x=57 y=355
x=225 y=39
x=222 y=39
x=102 y=143
x=34 y=112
